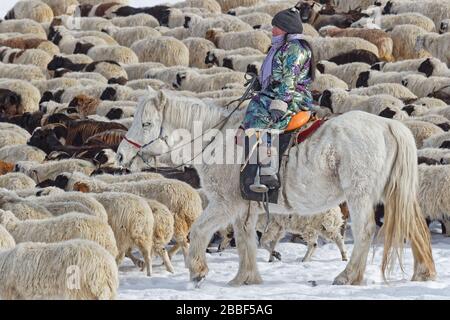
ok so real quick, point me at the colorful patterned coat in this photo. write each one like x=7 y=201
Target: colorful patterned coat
x=289 y=84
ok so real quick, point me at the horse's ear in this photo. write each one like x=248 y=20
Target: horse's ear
x=151 y=90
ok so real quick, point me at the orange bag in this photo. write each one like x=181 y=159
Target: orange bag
x=298 y=120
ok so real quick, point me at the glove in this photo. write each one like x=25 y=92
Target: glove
x=276 y=115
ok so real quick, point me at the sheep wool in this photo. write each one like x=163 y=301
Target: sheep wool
x=66 y=227
x=39 y=271
x=6 y=240
x=166 y=50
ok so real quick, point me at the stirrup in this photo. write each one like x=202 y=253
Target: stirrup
x=257 y=186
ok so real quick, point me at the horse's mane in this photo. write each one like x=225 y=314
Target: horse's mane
x=182 y=111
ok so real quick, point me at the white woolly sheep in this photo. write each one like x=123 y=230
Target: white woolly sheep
x=432 y=194
x=394 y=89
x=436 y=141
x=198 y=49
x=31 y=9
x=23 y=26
x=431 y=103
x=142 y=84
x=21 y=72
x=40 y=271
x=210 y=5
x=348 y=72
x=372 y=77
x=29 y=95
x=441 y=121
x=438 y=154
x=94 y=207
x=84 y=23
x=340 y=101
x=21 y=152
x=192 y=81
x=135 y=176
x=379 y=38
x=445 y=112
x=16 y=181
x=323 y=82
x=50 y=170
x=226 y=23
x=22 y=208
x=390 y=21
x=62 y=7
x=216 y=56
x=6 y=240
x=97 y=77
x=326 y=48
x=422 y=130
x=423 y=86
x=34 y=57
x=179 y=197
x=66 y=227
x=436 y=10
x=404 y=38
x=136 y=71
x=428 y=66
x=10 y=137
x=179 y=33
x=137 y=20
x=243 y=63
x=270 y=8
x=436 y=44
x=38 y=192
x=118 y=54
x=233 y=40
x=256 y=18
x=328 y=225
x=168 y=51
x=126 y=36
x=132 y=222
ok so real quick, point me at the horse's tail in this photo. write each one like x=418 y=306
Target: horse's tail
x=403 y=218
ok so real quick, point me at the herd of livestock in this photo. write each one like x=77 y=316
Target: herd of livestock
x=72 y=73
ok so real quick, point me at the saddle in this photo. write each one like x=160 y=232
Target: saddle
x=301 y=126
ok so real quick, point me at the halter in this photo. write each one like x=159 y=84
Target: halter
x=247 y=94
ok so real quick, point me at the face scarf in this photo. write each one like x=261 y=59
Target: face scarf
x=277 y=43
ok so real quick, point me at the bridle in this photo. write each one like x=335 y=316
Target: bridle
x=219 y=125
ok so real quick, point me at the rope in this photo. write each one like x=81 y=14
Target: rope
x=247 y=95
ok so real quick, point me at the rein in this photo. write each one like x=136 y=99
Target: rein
x=219 y=125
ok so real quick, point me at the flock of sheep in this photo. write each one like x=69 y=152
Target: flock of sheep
x=71 y=74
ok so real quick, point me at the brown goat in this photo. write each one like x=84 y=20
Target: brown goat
x=84 y=105
x=110 y=138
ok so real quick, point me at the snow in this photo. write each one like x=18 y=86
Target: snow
x=289 y=278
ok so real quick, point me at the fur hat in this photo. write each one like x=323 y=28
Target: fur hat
x=288 y=20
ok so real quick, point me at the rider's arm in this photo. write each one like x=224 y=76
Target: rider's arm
x=287 y=66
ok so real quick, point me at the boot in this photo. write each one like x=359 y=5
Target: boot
x=267 y=174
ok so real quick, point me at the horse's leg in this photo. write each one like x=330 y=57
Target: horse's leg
x=245 y=231
x=215 y=216
x=363 y=229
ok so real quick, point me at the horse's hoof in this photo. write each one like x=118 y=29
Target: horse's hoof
x=276 y=255
x=249 y=280
x=345 y=259
x=423 y=277
x=198 y=281
x=341 y=280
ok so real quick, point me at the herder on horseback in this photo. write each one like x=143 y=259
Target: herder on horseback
x=285 y=76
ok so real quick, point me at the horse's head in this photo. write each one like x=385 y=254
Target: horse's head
x=145 y=133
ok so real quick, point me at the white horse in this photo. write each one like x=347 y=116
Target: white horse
x=357 y=157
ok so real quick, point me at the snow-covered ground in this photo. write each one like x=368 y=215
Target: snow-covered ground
x=289 y=278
